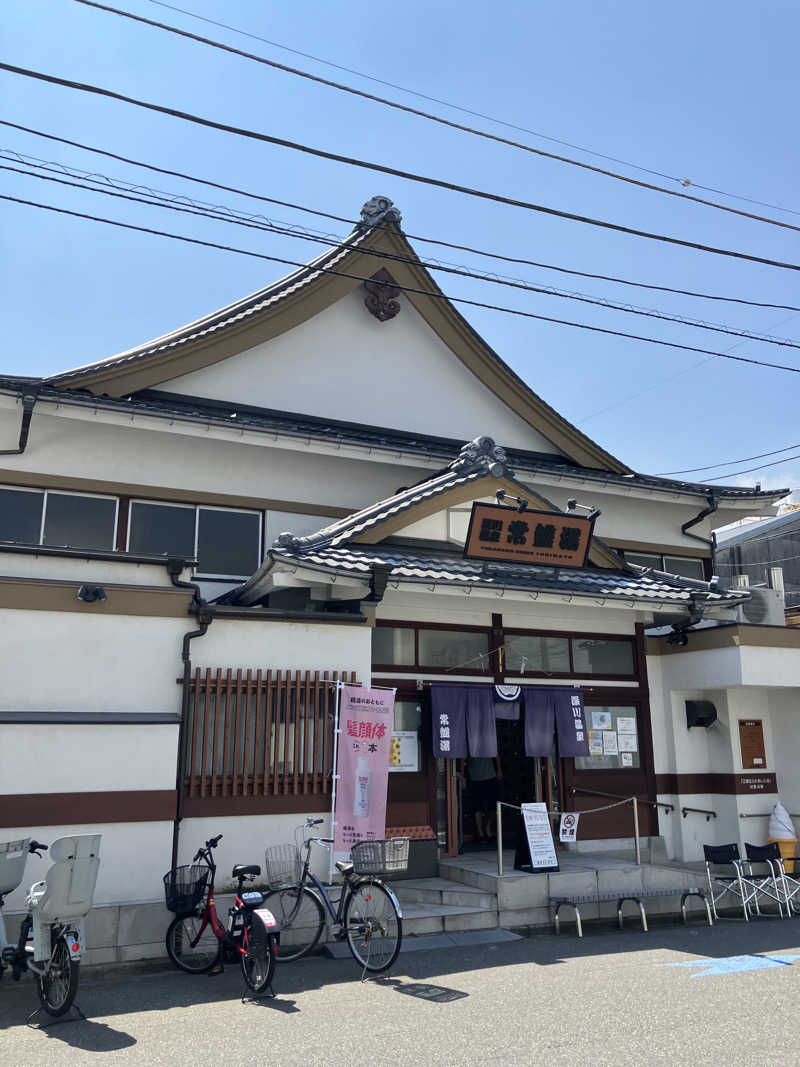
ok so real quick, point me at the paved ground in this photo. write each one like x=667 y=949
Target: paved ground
x=674 y=997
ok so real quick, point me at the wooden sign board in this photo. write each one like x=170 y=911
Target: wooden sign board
x=751 y=739
x=507 y=535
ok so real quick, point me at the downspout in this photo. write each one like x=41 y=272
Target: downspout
x=200 y=609
x=713 y=504
x=28 y=403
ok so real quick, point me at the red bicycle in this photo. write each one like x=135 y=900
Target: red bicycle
x=196 y=938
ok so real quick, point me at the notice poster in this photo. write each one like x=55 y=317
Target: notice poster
x=540 y=837
x=610 y=747
x=628 y=742
x=595 y=742
x=404 y=753
x=626 y=724
x=601 y=720
x=626 y=758
x=568 y=830
x=362 y=767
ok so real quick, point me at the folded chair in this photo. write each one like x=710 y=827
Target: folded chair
x=770 y=885
x=726 y=875
x=789 y=884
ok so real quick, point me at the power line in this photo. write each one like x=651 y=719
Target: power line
x=156 y=198
x=383 y=169
x=476 y=114
x=749 y=470
x=402 y=288
x=727 y=463
x=427 y=115
x=758 y=563
x=762 y=537
x=411 y=237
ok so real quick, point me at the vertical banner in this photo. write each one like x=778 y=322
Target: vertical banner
x=362 y=767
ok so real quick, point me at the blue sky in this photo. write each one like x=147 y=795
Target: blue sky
x=706 y=91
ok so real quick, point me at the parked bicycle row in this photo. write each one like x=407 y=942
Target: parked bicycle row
x=281 y=924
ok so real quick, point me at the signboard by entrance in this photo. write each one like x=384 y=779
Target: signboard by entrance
x=751 y=739
x=540 y=838
x=507 y=535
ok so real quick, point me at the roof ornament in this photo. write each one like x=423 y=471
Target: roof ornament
x=286 y=540
x=382 y=293
x=377 y=210
x=484 y=456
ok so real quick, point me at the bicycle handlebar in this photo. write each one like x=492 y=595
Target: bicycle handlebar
x=314 y=822
x=34 y=846
x=214 y=841
x=205 y=853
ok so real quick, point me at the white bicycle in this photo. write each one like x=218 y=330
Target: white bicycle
x=51 y=936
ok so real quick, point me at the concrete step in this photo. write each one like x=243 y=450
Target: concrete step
x=427 y=942
x=445 y=918
x=442 y=891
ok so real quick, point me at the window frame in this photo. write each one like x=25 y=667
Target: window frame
x=91 y=496
x=161 y=504
x=662 y=557
x=212 y=575
x=28 y=489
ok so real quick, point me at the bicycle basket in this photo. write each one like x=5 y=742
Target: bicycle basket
x=379 y=857
x=184 y=888
x=283 y=865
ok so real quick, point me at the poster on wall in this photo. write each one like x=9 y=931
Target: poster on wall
x=568 y=829
x=362 y=767
x=404 y=752
x=541 y=847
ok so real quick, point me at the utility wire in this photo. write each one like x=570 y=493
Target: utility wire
x=762 y=537
x=758 y=563
x=684 y=182
x=157 y=198
x=430 y=117
x=383 y=169
x=727 y=463
x=411 y=237
x=314 y=269
x=749 y=470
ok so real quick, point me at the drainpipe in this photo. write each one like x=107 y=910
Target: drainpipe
x=713 y=504
x=204 y=616
x=28 y=402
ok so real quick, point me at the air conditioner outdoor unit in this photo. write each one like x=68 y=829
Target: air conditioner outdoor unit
x=764 y=608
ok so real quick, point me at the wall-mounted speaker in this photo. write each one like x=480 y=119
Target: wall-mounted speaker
x=700 y=713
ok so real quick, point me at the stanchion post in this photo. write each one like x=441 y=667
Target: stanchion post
x=636 y=839
x=499 y=839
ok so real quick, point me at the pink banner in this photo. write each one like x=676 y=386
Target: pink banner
x=362 y=766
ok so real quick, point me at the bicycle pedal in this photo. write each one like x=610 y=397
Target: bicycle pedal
x=8 y=954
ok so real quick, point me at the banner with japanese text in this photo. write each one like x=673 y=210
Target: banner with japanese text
x=362 y=766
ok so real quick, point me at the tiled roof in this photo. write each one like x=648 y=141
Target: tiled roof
x=408 y=565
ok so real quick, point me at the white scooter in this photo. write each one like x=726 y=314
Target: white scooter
x=51 y=936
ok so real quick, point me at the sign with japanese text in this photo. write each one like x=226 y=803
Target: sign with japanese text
x=751 y=739
x=568 y=830
x=362 y=767
x=540 y=837
x=508 y=535
x=404 y=755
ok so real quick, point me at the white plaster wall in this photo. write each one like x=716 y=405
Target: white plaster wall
x=338 y=362
x=245 y=838
x=60 y=661
x=771 y=667
x=86 y=757
x=65 y=568
x=715 y=668
x=133 y=859
x=287 y=645
x=784 y=714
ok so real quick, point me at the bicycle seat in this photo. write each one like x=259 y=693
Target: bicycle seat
x=344 y=867
x=240 y=871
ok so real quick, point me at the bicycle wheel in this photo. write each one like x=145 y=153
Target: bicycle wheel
x=59 y=984
x=301 y=920
x=192 y=944
x=258 y=961
x=373 y=927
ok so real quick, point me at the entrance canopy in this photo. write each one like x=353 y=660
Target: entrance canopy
x=465 y=716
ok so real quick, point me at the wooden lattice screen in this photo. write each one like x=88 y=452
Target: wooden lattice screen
x=263 y=734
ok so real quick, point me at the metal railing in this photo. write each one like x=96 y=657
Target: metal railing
x=764 y=815
x=709 y=814
x=634 y=801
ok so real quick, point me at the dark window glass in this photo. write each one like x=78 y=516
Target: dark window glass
x=527 y=653
x=20 y=516
x=161 y=530
x=644 y=559
x=453 y=648
x=79 y=521
x=227 y=543
x=686 y=568
x=391 y=644
x=599 y=656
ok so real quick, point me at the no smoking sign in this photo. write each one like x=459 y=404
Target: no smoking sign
x=568 y=830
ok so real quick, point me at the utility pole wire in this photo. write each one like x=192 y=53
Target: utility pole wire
x=411 y=237
x=223 y=214
x=383 y=169
x=430 y=117
x=403 y=288
x=476 y=114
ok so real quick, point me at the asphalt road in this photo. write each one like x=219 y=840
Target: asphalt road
x=611 y=999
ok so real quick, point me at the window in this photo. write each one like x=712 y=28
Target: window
x=454 y=648
x=601 y=656
x=72 y=521
x=684 y=566
x=161 y=529
x=613 y=739
x=393 y=645
x=21 y=515
x=228 y=542
x=526 y=653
